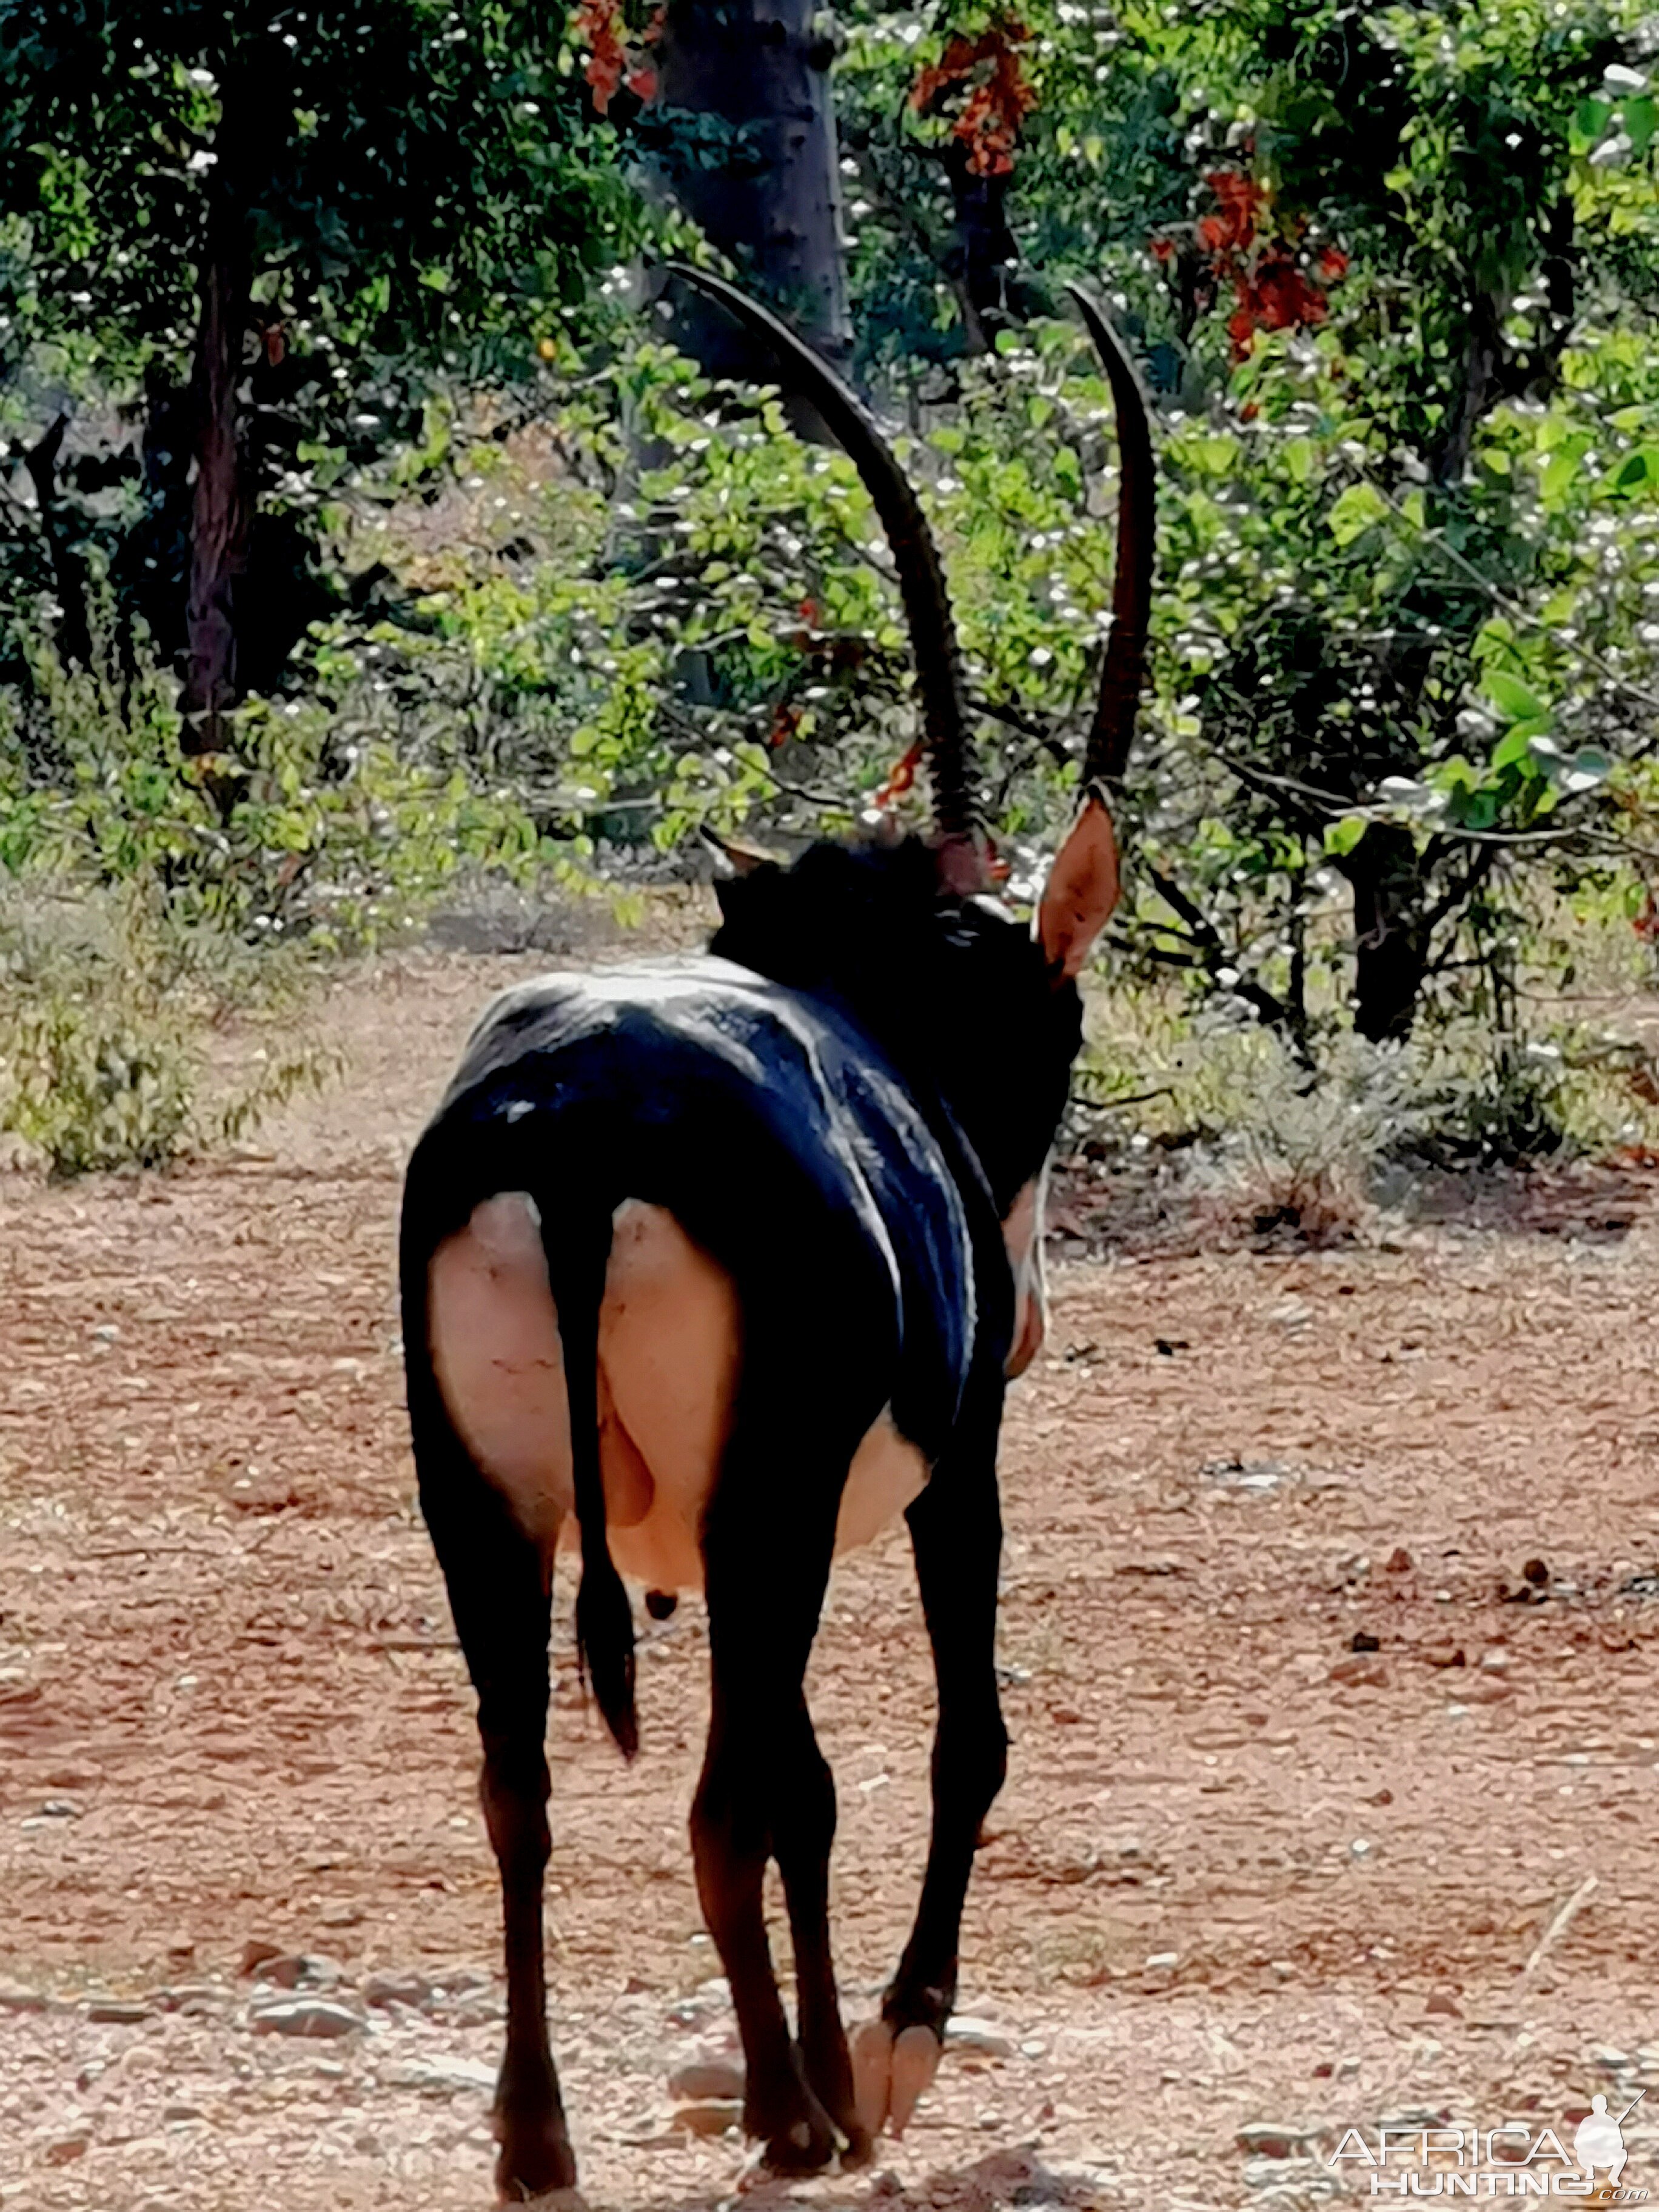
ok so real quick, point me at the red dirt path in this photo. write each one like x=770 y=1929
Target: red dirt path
x=1236 y=1860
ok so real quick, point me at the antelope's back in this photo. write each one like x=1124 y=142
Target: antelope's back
x=781 y=1142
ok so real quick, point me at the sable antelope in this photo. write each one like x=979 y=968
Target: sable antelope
x=727 y=1261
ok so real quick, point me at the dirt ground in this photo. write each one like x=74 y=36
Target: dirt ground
x=1249 y=1886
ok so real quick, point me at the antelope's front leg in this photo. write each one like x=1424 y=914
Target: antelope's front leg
x=955 y=1532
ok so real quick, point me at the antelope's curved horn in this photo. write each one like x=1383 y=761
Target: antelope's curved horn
x=1107 y=753
x=951 y=763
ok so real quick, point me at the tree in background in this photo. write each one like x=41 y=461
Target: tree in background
x=1391 y=271
x=729 y=108
x=994 y=149
x=276 y=232
x=1381 y=478
x=762 y=184
x=1386 y=263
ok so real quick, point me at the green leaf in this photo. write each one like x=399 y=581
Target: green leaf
x=1476 y=810
x=1299 y=458
x=1591 y=119
x=1513 y=697
x=1557 y=478
x=1342 y=836
x=1516 y=750
x=1359 y=508
x=1641 y=120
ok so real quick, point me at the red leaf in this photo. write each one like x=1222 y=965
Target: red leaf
x=598 y=24
x=900 y=778
x=995 y=106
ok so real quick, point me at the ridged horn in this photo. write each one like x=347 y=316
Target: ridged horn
x=951 y=763
x=1107 y=753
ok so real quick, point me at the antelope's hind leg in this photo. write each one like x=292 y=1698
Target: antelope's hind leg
x=499 y=1593
x=766 y=1790
x=802 y=1834
x=955 y=1532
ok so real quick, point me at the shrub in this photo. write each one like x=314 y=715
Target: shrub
x=106 y=1008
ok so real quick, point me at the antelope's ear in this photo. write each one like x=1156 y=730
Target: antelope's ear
x=1081 y=891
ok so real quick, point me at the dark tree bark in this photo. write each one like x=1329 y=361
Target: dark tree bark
x=985 y=247
x=223 y=502
x=1393 y=935
x=1480 y=387
x=1393 y=920
x=221 y=516
x=68 y=573
x=772 y=202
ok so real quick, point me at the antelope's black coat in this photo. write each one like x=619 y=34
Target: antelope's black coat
x=840 y=1104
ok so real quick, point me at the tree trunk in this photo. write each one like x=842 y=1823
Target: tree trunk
x=68 y=573
x=222 y=514
x=1393 y=934
x=1394 y=921
x=773 y=204
x=985 y=247
x=1481 y=388
x=223 y=502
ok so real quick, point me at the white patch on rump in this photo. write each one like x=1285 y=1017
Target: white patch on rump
x=888 y=1474
x=494 y=1342
x=669 y=1343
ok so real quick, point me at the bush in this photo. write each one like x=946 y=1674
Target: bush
x=146 y=896
x=1234 y=1117
x=105 y=1009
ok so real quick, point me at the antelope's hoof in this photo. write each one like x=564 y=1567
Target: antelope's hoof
x=807 y=2147
x=537 y=2164
x=793 y=2133
x=890 y=2073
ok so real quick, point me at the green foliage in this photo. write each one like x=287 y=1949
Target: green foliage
x=1407 y=500
x=105 y=1010
x=427 y=193
x=1404 y=669
x=415 y=203
x=139 y=914
x=334 y=836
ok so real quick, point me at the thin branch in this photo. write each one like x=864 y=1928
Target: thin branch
x=1462 y=892
x=1514 y=610
x=1339 y=807
x=1214 y=957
